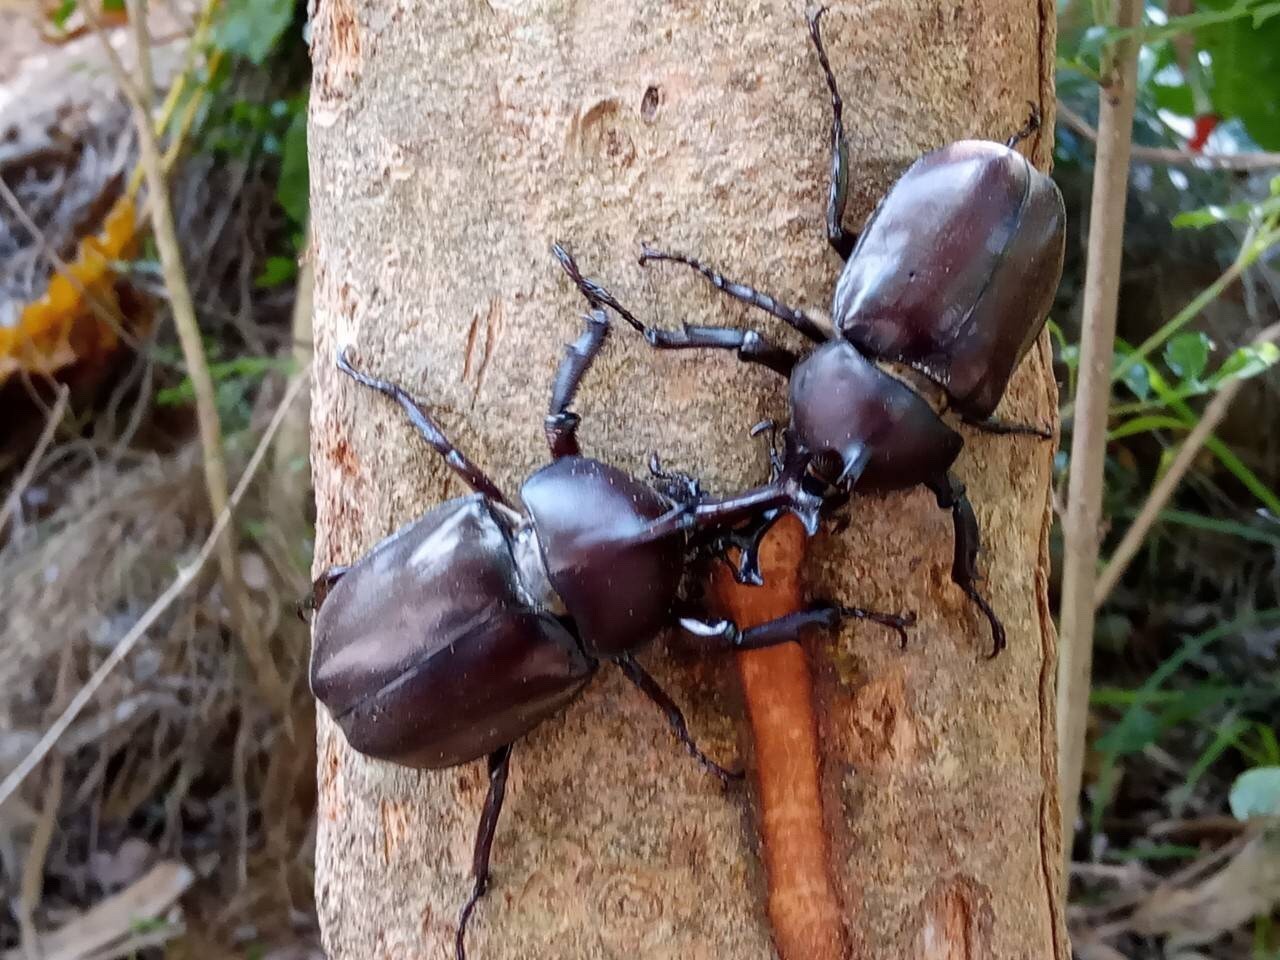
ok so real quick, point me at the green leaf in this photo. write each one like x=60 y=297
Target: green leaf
x=1242 y=52
x=1256 y=793
x=293 y=189
x=1187 y=355
x=276 y=271
x=63 y=13
x=1246 y=362
x=1208 y=216
x=1138 y=379
x=1137 y=729
x=251 y=28
x=1145 y=425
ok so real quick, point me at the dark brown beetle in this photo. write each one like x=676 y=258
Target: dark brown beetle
x=953 y=276
x=459 y=633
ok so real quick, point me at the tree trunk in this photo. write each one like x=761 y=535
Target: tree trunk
x=451 y=144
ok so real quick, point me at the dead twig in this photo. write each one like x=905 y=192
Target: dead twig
x=265 y=672
x=184 y=578
x=1117 y=101
x=1172 y=156
x=116 y=918
x=32 y=885
x=1164 y=489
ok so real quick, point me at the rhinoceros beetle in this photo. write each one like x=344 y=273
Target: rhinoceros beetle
x=466 y=628
x=953 y=277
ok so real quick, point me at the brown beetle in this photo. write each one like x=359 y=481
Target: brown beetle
x=953 y=276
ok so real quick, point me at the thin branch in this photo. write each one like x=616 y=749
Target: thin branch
x=266 y=674
x=1164 y=489
x=1172 y=156
x=1117 y=103
x=12 y=501
x=180 y=583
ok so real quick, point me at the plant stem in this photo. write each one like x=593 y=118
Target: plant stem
x=144 y=623
x=1167 y=484
x=1172 y=155
x=263 y=667
x=1088 y=447
x=1248 y=254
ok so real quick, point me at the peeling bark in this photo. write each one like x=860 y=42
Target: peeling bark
x=451 y=144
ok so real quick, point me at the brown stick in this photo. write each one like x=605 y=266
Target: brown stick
x=777 y=685
x=1173 y=157
x=1093 y=396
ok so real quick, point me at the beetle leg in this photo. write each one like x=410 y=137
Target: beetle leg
x=1028 y=128
x=751 y=346
x=561 y=425
x=951 y=496
x=841 y=240
x=727 y=635
x=650 y=687
x=320 y=588
x=597 y=296
x=798 y=319
x=499 y=761
x=746 y=540
x=472 y=475
x=788 y=492
x=1005 y=427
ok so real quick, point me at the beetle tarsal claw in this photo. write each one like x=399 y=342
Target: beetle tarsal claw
x=807 y=507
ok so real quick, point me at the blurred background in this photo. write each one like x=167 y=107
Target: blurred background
x=156 y=731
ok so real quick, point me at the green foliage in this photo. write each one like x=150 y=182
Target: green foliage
x=1235 y=77
x=252 y=28
x=1151 y=712
x=292 y=190
x=1187 y=354
x=234 y=381
x=278 y=270
x=1242 y=49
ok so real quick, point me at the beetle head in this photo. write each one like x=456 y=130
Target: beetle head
x=863 y=425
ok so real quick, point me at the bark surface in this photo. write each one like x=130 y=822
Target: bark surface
x=451 y=144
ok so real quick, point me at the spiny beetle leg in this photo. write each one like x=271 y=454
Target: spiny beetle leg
x=841 y=240
x=472 y=475
x=653 y=690
x=561 y=425
x=751 y=346
x=951 y=496
x=726 y=635
x=802 y=322
x=499 y=762
x=1028 y=128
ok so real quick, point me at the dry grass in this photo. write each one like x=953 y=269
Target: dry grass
x=173 y=760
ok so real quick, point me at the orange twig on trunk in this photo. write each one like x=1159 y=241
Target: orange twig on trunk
x=803 y=907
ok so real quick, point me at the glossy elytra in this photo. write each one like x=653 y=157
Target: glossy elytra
x=463 y=630
x=952 y=276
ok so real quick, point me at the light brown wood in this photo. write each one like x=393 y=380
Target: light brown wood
x=451 y=144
